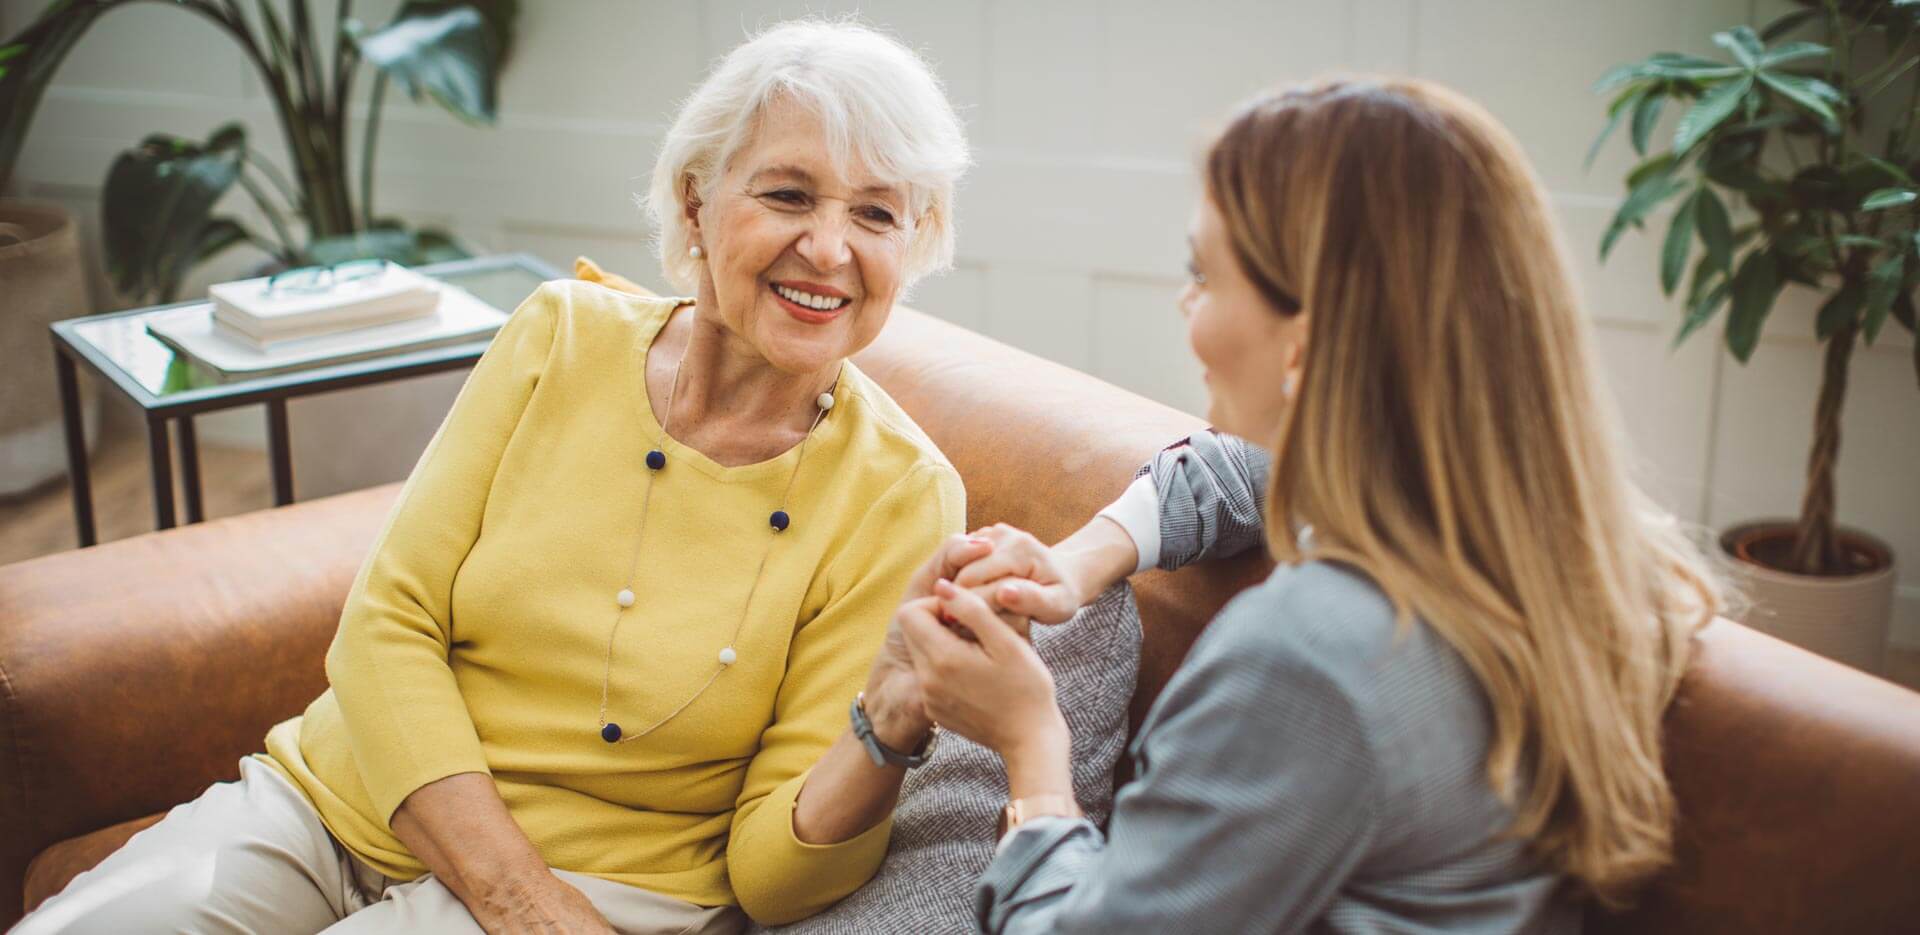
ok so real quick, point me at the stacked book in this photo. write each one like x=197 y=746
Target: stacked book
x=257 y=313
x=251 y=329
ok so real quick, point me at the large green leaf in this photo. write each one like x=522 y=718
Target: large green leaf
x=157 y=205
x=1741 y=41
x=1616 y=112
x=1673 y=254
x=1716 y=105
x=1703 y=310
x=30 y=59
x=1645 y=115
x=446 y=51
x=1882 y=285
x=1792 y=52
x=1716 y=229
x=1806 y=92
x=1841 y=309
x=1889 y=198
x=1643 y=198
x=1755 y=285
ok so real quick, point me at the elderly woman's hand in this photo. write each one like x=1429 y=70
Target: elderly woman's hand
x=992 y=689
x=893 y=697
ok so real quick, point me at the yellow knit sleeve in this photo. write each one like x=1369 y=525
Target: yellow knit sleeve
x=777 y=877
x=406 y=722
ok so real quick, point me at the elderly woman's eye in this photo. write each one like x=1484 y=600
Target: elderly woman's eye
x=877 y=215
x=787 y=196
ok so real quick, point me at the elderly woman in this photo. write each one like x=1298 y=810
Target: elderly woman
x=603 y=669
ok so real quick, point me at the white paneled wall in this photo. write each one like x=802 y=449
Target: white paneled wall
x=1086 y=116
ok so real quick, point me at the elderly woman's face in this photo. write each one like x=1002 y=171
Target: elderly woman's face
x=802 y=260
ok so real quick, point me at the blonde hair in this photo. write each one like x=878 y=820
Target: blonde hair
x=876 y=100
x=1449 y=438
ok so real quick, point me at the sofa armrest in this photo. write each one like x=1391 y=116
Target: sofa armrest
x=136 y=673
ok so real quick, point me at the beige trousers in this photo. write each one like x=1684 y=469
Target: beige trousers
x=252 y=856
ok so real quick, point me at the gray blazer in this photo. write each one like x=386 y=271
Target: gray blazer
x=1311 y=767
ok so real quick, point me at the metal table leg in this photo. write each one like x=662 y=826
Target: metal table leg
x=81 y=483
x=162 y=463
x=190 y=468
x=281 y=451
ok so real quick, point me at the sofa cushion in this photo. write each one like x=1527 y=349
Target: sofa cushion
x=55 y=867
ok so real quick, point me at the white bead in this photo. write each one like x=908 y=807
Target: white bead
x=625 y=597
x=695 y=251
x=727 y=656
x=825 y=401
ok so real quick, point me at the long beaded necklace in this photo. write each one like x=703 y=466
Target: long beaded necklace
x=657 y=462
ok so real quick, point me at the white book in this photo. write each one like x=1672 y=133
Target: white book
x=457 y=317
x=253 y=308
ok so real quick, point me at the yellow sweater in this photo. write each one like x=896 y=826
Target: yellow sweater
x=475 y=634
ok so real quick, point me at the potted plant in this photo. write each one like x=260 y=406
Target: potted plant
x=158 y=205
x=1807 y=129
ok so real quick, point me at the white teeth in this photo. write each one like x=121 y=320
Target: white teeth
x=808 y=299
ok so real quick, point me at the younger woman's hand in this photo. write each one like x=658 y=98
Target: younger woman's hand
x=992 y=689
x=1027 y=578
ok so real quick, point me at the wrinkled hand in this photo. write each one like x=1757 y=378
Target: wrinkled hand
x=541 y=903
x=992 y=689
x=893 y=696
x=1024 y=577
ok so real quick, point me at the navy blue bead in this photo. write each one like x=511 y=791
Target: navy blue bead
x=779 y=520
x=610 y=733
x=656 y=459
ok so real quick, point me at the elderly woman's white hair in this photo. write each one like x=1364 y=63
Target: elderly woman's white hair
x=878 y=102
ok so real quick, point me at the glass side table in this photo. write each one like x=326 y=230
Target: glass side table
x=167 y=386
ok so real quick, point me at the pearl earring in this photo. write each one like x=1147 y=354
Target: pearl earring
x=1286 y=386
x=695 y=252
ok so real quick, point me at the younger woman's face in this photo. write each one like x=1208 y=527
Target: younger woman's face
x=1248 y=349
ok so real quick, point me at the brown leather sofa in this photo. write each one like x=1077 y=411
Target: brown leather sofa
x=134 y=674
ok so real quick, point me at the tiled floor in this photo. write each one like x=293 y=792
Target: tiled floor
x=236 y=480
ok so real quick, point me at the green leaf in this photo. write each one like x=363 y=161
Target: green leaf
x=1686 y=67
x=1882 y=285
x=1638 y=202
x=1792 y=52
x=1703 y=311
x=1618 y=76
x=33 y=56
x=1889 y=198
x=1615 y=113
x=1673 y=255
x=1740 y=40
x=1754 y=287
x=1903 y=312
x=157 y=203
x=1843 y=308
x=1716 y=229
x=1802 y=91
x=1716 y=105
x=442 y=51
x=1892 y=171
x=1645 y=115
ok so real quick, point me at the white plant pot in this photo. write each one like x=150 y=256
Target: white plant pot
x=1842 y=617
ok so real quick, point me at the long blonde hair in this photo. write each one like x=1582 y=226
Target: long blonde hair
x=1449 y=438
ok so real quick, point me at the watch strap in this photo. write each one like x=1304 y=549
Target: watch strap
x=880 y=753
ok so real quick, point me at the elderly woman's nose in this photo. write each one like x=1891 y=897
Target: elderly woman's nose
x=824 y=243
